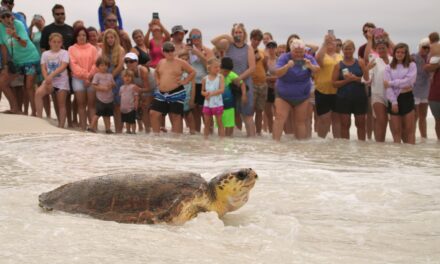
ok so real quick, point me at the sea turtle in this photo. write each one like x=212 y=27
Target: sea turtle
x=172 y=198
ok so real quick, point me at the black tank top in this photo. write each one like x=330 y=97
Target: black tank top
x=143 y=56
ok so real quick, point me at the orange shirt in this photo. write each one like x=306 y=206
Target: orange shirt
x=259 y=76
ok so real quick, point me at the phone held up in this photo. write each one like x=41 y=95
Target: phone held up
x=331 y=32
x=155 y=15
x=189 y=42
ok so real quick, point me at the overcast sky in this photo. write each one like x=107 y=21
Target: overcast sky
x=406 y=21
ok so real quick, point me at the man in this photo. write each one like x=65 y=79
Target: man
x=177 y=35
x=259 y=79
x=9 y=4
x=58 y=26
x=66 y=31
x=171 y=95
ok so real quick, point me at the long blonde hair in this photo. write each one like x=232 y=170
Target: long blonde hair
x=115 y=51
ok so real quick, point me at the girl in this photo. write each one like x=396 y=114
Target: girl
x=140 y=49
x=154 y=43
x=53 y=65
x=129 y=101
x=400 y=76
x=103 y=83
x=83 y=56
x=114 y=52
x=213 y=86
x=109 y=7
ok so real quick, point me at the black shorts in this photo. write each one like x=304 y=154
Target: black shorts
x=324 y=103
x=104 y=109
x=199 y=100
x=166 y=107
x=354 y=105
x=270 y=95
x=405 y=101
x=129 y=117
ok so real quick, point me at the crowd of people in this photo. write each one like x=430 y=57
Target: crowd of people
x=296 y=88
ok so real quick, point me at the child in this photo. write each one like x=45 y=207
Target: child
x=129 y=101
x=54 y=63
x=213 y=86
x=106 y=7
x=434 y=52
x=228 y=116
x=103 y=83
x=188 y=104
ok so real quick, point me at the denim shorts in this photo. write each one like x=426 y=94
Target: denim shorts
x=78 y=85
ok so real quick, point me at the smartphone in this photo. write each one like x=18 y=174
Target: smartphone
x=38 y=17
x=189 y=42
x=155 y=15
x=331 y=32
x=299 y=62
x=378 y=32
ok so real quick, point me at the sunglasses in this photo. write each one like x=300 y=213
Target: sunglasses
x=59 y=14
x=130 y=61
x=8 y=2
x=112 y=20
x=338 y=45
x=426 y=47
x=196 y=36
x=6 y=16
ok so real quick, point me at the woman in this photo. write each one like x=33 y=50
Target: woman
x=111 y=22
x=294 y=71
x=199 y=55
x=24 y=55
x=93 y=37
x=377 y=52
x=154 y=45
x=140 y=49
x=325 y=92
x=351 y=97
x=243 y=58
x=83 y=56
x=421 y=87
x=434 y=95
x=114 y=52
x=400 y=76
x=141 y=79
x=271 y=49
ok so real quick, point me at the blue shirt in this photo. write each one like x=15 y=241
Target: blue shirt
x=296 y=84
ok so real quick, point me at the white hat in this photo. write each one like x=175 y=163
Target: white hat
x=424 y=42
x=131 y=56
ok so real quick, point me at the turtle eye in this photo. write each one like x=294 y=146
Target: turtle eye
x=241 y=175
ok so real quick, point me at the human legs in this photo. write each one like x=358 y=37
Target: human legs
x=61 y=99
x=41 y=92
x=6 y=89
x=81 y=101
x=300 y=114
x=421 y=113
x=409 y=130
x=29 y=84
x=359 y=121
x=281 y=115
x=381 y=121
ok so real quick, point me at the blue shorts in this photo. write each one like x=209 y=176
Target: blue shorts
x=248 y=108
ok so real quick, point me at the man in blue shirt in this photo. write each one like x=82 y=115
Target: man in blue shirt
x=9 y=4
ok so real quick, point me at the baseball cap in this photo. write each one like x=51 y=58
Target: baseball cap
x=131 y=56
x=271 y=44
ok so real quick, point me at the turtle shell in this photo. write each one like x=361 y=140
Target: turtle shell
x=135 y=198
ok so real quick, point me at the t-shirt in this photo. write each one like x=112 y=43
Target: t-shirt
x=421 y=87
x=65 y=30
x=212 y=86
x=377 y=74
x=20 y=55
x=52 y=61
x=228 y=97
x=104 y=79
x=127 y=93
x=259 y=75
x=296 y=84
x=323 y=79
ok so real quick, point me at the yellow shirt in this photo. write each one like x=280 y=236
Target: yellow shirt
x=259 y=76
x=323 y=79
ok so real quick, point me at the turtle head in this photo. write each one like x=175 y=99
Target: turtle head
x=230 y=190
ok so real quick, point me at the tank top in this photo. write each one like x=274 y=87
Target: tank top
x=199 y=67
x=143 y=56
x=239 y=57
x=351 y=89
x=212 y=86
x=137 y=77
x=156 y=53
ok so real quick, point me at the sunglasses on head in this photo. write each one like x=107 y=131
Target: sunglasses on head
x=128 y=61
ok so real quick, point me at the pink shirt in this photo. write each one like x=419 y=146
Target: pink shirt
x=156 y=53
x=82 y=60
x=104 y=79
x=127 y=93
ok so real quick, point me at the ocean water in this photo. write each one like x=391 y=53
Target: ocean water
x=318 y=201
